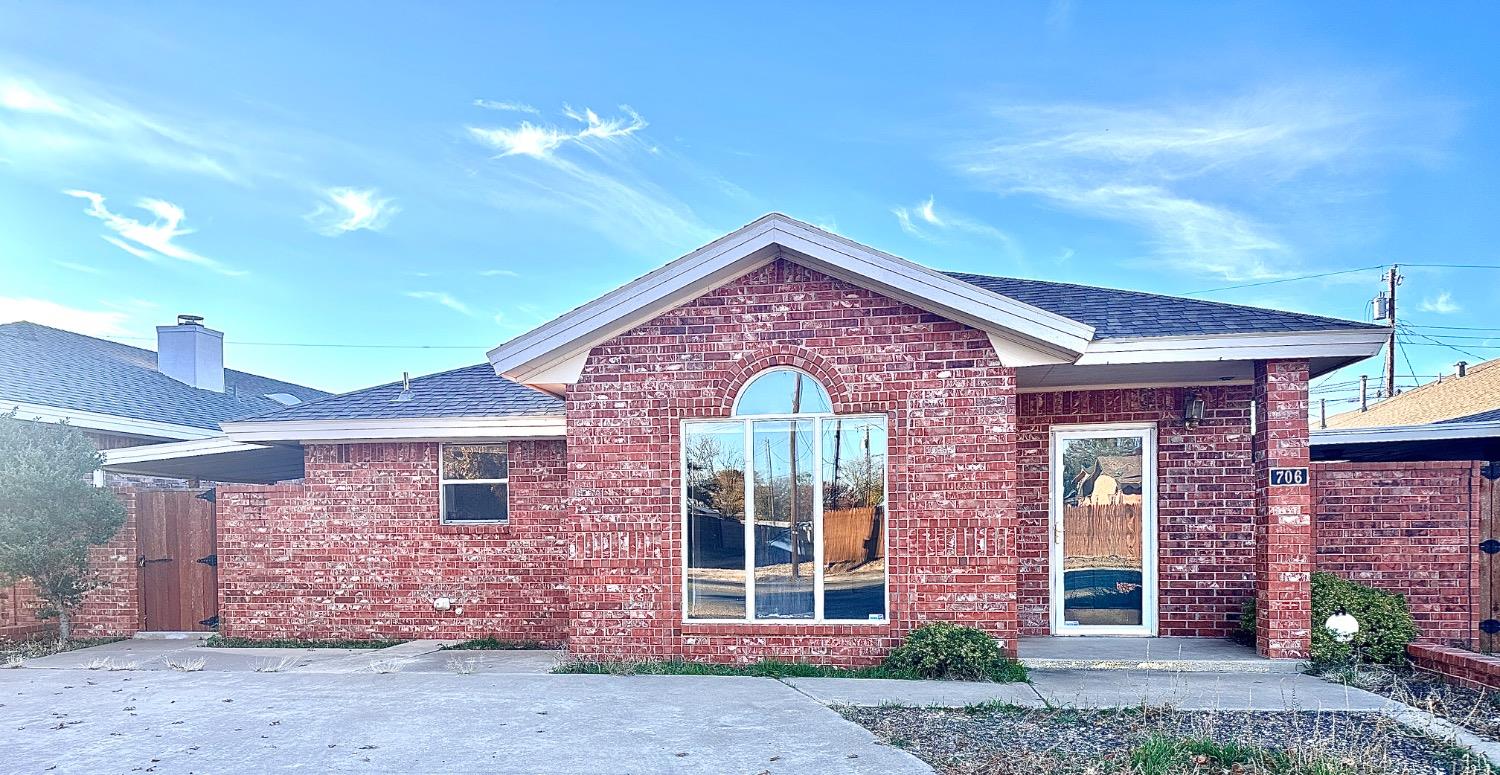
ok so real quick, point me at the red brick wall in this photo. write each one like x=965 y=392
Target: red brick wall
x=18 y=619
x=1405 y=527
x=114 y=609
x=950 y=409
x=357 y=551
x=1457 y=666
x=1205 y=501
x=1283 y=527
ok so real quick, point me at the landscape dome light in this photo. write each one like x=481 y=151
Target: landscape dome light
x=1342 y=626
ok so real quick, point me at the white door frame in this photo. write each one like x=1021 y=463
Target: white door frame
x=1149 y=586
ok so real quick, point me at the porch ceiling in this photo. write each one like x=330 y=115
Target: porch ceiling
x=215 y=460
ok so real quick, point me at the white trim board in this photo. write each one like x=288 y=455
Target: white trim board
x=218 y=445
x=554 y=348
x=1344 y=342
x=549 y=426
x=1400 y=433
x=98 y=421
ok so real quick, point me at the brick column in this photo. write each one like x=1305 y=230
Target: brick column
x=1283 y=524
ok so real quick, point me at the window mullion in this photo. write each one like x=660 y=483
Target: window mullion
x=817 y=494
x=749 y=521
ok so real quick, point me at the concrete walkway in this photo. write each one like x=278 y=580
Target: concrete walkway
x=172 y=722
x=421 y=656
x=1204 y=655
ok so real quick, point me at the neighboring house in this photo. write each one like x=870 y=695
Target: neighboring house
x=1470 y=394
x=789 y=445
x=124 y=396
x=130 y=401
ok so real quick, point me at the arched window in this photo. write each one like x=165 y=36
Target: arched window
x=785 y=508
x=782 y=391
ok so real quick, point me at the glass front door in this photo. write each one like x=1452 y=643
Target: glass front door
x=1104 y=531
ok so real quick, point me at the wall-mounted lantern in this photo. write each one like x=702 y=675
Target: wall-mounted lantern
x=1193 y=410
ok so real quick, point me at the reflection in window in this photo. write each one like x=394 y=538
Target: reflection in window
x=715 y=468
x=853 y=518
x=475 y=482
x=783 y=518
x=783 y=391
x=815 y=516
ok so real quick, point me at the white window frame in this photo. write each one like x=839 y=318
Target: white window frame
x=1150 y=588
x=443 y=483
x=748 y=423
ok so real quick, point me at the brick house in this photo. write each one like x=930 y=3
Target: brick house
x=132 y=403
x=787 y=444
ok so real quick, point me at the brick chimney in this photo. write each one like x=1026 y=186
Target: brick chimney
x=191 y=353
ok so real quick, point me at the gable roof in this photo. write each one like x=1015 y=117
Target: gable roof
x=1451 y=398
x=1116 y=313
x=552 y=354
x=50 y=367
x=1056 y=327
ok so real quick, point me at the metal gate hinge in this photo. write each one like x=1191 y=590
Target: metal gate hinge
x=212 y=560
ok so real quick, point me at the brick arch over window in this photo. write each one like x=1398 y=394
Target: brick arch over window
x=795 y=357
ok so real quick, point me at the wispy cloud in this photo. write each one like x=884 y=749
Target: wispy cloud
x=438 y=297
x=149 y=241
x=923 y=220
x=592 y=172
x=538 y=141
x=76 y=267
x=350 y=209
x=49 y=313
x=47 y=125
x=1442 y=305
x=1207 y=182
x=499 y=273
x=511 y=107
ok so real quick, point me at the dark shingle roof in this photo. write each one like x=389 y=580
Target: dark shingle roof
x=52 y=367
x=472 y=391
x=1118 y=314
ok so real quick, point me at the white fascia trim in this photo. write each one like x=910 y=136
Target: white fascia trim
x=104 y=422
x=1203 y=383
x=406 y=429
x=556 y=346
x=1348 y=342
x=1399 y=433
x=148 y=453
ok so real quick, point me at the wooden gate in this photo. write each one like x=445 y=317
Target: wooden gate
x=1487 y=497
x=175 y=540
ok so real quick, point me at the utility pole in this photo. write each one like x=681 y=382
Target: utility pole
x=1364 y=392
x=1385 y=309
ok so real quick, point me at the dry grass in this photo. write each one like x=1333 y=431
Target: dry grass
x=1476 y=710
x=186 y=665
x=111 y=664
x=275 y=665
x=387 y=666
x=1004 y=740
x=465 y=666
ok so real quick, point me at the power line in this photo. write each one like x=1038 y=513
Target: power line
x=1285 y=280
x=1338 y=272
x=332 y=344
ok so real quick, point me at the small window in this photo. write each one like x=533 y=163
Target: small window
x=475 y=483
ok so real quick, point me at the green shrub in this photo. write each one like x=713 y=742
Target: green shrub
x=1385 y=624
x=951 y=651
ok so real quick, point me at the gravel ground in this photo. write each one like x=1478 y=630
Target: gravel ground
x=1015 y=741
x=1473 y=709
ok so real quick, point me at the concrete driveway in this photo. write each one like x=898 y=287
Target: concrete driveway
x=165 y=721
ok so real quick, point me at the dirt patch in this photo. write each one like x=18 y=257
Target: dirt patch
x=1477 y=710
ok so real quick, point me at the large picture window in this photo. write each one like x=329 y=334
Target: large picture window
x=785 y=508
x=475 y=482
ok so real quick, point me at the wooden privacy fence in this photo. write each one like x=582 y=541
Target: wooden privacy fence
x=1487 y=497
x=852 y=536
x=1094 y=533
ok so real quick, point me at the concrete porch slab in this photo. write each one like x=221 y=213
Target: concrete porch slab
x=1202 y=691
x=1182 y=655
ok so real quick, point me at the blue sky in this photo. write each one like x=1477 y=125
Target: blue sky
x=452 y=175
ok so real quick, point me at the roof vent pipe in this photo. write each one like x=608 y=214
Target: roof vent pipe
x=405 y=394
x=191 y=353
x=1461 y=369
